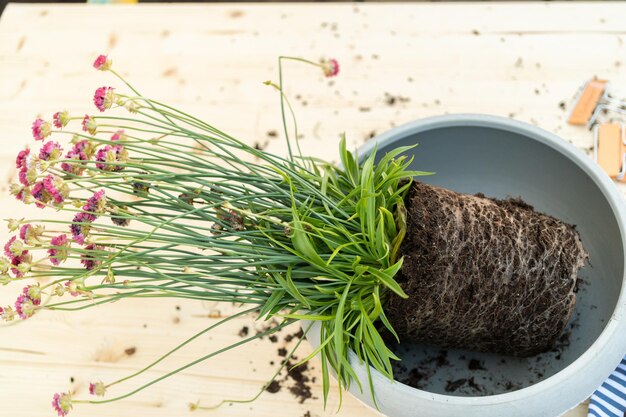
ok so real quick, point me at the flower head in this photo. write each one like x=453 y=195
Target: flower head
x=14 y=247
x=22 y=159
x=21 y=193
x=7 y=313
x=58 y=253
x=81 y=224
x=20 y=265
x=83 y=150
x=96 y=203
x=109 y=155
x=41 y=129
x=104 y=98
x=33 y=292
x=90 y=125
x=97 y=388
x=50 y=151
x=88 y=259
x=61 y=119
x=25 y=307
x=31 y=234
x=102 y=63
x=52 y=189
x=62 y=403
x=330 y=67
x=119 y=135
x=74 y=288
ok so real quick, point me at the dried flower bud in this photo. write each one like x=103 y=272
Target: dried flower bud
x=97 y=388
x=62 y=403
x=103 y=98
x=61 y=119
x=89 y=124
x=41 y=129
x=102 y=63
x=59 y=290
x=7 y=313
x=330 y=67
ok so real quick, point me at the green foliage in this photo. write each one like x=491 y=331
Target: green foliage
x=291 y=238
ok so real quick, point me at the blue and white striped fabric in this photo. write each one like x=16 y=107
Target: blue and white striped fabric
x=610 y=399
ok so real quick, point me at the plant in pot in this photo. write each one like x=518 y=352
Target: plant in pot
x=162 y=204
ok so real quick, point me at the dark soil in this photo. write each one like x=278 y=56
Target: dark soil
x=483 y=274
x=273 y=387
x=476 y=365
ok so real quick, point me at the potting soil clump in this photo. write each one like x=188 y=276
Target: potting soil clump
x=484 y=274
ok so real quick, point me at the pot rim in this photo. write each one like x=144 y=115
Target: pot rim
x=607 y=350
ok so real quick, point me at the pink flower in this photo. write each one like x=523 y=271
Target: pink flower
x=7 y=313
x=330 y=67
x=97 y=388
x=41 y=129
x=14 y=248
x=50 y=151
x=96 y=203
x=90 y=125
x=22 y=159
x=24 y=307
x=119 y=135
x=26 y=232
x=108 y=155
x=62 y=403
x=34 y=293
x=24 y=177
x=50 y=189
x=82 y=151
x=61 y=119
x=21 y=264
x=103 y=98
x=72 y=288
x=80 y=226
x=89 y=260
x=39 y=193
x=102 y=63
x=56 y=188
x=58 y=254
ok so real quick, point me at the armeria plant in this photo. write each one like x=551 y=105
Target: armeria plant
x=162 y=204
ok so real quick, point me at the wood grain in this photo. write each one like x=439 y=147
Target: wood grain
x=398 y=63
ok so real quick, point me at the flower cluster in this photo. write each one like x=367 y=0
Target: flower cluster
x=89 y=124
x=27 y=302
x=18 y=258
x=104 y=98
x=81 y=224
x=82 y=151
x=109 y=156
x=62 y=403
x=330 y=67
x=97 y=388
x=61 y=119
x=41 y=129
x=58 y=252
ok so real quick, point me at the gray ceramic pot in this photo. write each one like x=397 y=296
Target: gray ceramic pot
x=501 y=157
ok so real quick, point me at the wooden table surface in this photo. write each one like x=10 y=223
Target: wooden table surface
x=399 y=62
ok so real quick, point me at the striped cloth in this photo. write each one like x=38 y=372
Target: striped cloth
x=610 y=399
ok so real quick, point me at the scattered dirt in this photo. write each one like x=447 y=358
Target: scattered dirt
x=273 y=387
x=392 y=100
x=476 y=365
